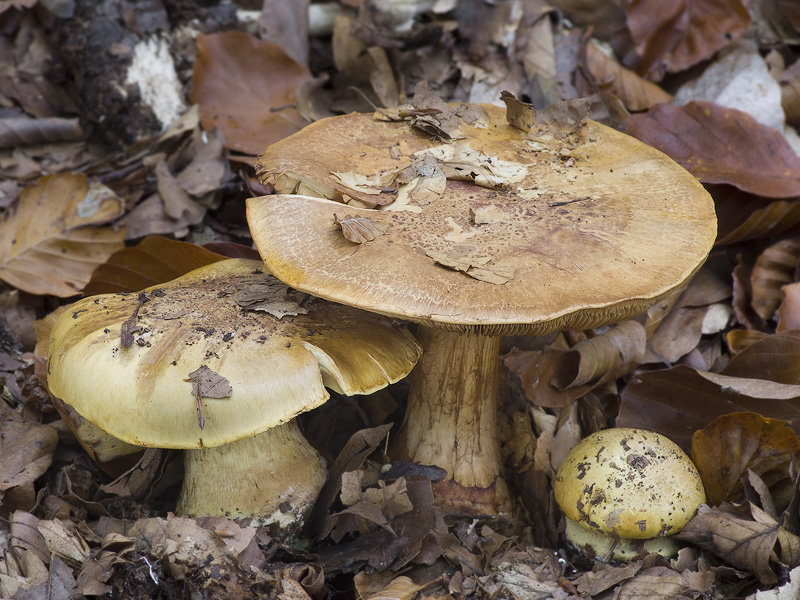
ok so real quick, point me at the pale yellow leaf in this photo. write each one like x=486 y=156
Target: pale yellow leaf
x=46 y=244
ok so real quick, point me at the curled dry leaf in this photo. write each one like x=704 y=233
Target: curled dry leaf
x=721 y=145
x=739 y=339
x=246 y=88
x=557 y=377
x=731 y=445
x=775 y=267
x=637 y=94
x=46 y=244
x=743 y=543
x=20 y=131
x=744 y=216
x=788 y=313
x=359 y=230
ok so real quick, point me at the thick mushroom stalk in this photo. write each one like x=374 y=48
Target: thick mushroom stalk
x=274 y=476
x=451 y=420
x=219 y=362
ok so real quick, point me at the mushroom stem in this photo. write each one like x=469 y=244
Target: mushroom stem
x=451 y=421
x=273 y=477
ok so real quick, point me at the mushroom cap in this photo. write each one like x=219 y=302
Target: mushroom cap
x=277 y=349
x=571 y=232
x=629 y=483
x=598 y=545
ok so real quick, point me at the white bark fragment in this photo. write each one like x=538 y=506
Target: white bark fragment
x=153 y=71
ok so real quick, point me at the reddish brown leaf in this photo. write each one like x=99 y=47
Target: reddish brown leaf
x=679 y=34
x=155 y=260
x=774 y=268
x=676 y=402
x=744 y=216
x=725 y=449
x=246 y=89
x=721 y=145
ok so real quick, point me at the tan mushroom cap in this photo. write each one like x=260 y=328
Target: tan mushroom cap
x=581 y=231
x=629 y=483
x=276 y=367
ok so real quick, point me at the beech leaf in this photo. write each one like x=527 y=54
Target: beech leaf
x=46 y=246
x=746 y=544
x=731 y=445
x=774 y=268
x=677 y=35
x=154 y=260
x=246 y=88
x=721 y=145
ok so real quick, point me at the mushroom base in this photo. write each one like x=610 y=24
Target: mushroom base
x=603 y=547
x=274 y=477
x=451 y=421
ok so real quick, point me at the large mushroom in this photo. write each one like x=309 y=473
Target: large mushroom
x=219 y=362
x=495 y=231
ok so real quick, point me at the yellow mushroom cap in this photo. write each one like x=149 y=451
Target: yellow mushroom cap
x=276 y=351
x=629 y=483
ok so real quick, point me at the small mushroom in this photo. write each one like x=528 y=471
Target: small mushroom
x=518 y=241
x=219 y=362
x=621 y=485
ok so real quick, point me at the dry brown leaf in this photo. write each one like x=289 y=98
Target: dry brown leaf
x=476 y=267
x=399 y=588
x=743 y=543
x=637 y=94
x=246 y=88
x=98 y=569
x=790 y=93
x=775 y=267
x=26 y=450
x=788 y=313
x=270 y=296
x=745 y=216
x=663 y=583
x=678 y=401
x=46 y=246
x=605 y=577
x=739 y=339
x=207 y=384
x=721 y=145
x=360 y=445
x=731 y=445
x=678 y=35
x=63 y=542
x=774 y=358
x=557 y=377
x=678 y=334
x=20 y=131
x=359 y=230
